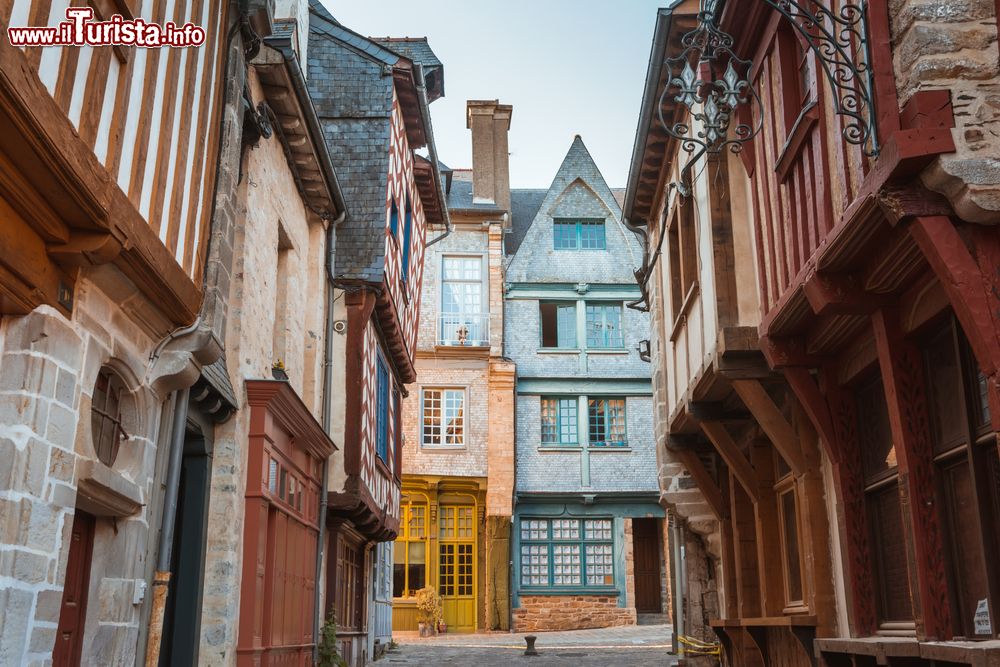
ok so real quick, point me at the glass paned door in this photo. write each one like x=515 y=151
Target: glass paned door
x=457 y=566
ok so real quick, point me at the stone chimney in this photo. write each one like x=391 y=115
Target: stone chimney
x=489 y=121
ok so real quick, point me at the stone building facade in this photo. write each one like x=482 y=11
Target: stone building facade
x=586 y=499
x=458 y=425
x=824 y=361
x=112 y=307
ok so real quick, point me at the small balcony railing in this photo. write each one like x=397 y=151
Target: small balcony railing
x=463 y=329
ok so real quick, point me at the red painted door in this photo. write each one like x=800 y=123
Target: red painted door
x=646 y=556
x=69 y=635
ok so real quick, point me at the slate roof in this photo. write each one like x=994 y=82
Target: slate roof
x=354 y=103
x=460 y=198
x=415 y=48
x=524 y=205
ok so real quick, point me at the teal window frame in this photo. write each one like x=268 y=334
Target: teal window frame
x=565 y=231
x=565 y=435
x=606 y=437
x=565 y=340
x=601 y=336
x=550 y=542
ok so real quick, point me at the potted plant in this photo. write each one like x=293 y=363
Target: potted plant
x=429 y=612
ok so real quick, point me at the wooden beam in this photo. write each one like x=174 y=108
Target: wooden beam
x=838 y=294
x=814 y=404
x=715 y=411
x=709 y=489
x=770 y=418
x=903 y=377
x=733 y=457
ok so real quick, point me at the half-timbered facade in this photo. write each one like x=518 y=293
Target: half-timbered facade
x=111 y=306
x=843 y=422
x=372 y=97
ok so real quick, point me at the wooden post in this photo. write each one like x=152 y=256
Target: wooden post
x=769 y=555
x=903 y=378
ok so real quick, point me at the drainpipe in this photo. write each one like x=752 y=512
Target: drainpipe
x=161 y=579
x=676 y=533
x=327 y=418
x=425 y=112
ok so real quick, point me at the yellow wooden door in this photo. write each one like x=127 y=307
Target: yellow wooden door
x=457 y=566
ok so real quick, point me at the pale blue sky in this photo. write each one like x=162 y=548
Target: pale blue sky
x=567 y=67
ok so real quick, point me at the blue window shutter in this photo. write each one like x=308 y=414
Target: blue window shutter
x=407 y=234
x=393 y=218
x=382 y=410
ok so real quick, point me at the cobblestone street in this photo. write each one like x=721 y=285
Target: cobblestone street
x=639 y=646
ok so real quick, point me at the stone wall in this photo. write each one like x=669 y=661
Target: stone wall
x=570 y=612
x=273 y=221
x=48 y=367
x=953 y=46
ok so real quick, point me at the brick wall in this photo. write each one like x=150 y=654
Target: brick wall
x=467 y=461
x=570 y=612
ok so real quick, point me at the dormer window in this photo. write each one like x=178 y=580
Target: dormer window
x=572 y=234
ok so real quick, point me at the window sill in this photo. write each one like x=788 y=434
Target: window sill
x=600 y=448
x=558 y=350
x=596 y=592
x=560 y=448
x=607 y=350
x=443 y=448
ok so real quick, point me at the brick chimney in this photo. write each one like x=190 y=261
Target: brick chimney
x=489 y=121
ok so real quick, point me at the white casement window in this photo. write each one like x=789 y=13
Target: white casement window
x=443 y=417
x=464 y=319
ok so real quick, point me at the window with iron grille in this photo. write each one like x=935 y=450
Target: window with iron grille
x=578 y=234
x=443 y=418
x=559 y=421
x=606 y=421
x=567 y=553
x=106 y=416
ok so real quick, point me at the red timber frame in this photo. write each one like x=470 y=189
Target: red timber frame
x=286 y=449
x=832 y=274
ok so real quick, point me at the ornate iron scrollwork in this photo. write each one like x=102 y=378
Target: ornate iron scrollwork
x=713 y=83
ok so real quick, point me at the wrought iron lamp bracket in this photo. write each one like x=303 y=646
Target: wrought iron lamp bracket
x=713 y=84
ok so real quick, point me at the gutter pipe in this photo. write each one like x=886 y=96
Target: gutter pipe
x=425 y=113
x=327 y=419
x=161 y=578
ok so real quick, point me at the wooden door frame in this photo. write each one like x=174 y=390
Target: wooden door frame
x=657 y=540
x=76 y=649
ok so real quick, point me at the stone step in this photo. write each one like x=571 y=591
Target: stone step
x=652 y=619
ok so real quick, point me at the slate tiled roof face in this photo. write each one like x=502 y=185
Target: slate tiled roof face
x=577 y=191
x=353 y=100
x=524 y=205
x=415 y=48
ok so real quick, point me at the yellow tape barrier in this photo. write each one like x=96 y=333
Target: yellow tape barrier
x=694 y=646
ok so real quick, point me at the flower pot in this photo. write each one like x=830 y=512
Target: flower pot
x=442 y=627
x=424 y=629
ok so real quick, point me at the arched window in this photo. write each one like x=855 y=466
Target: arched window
x=106 y=415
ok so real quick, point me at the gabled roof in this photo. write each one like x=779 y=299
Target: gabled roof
x=524 y=205
x=578 y=190
x=419 y=51
x=351 y=81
